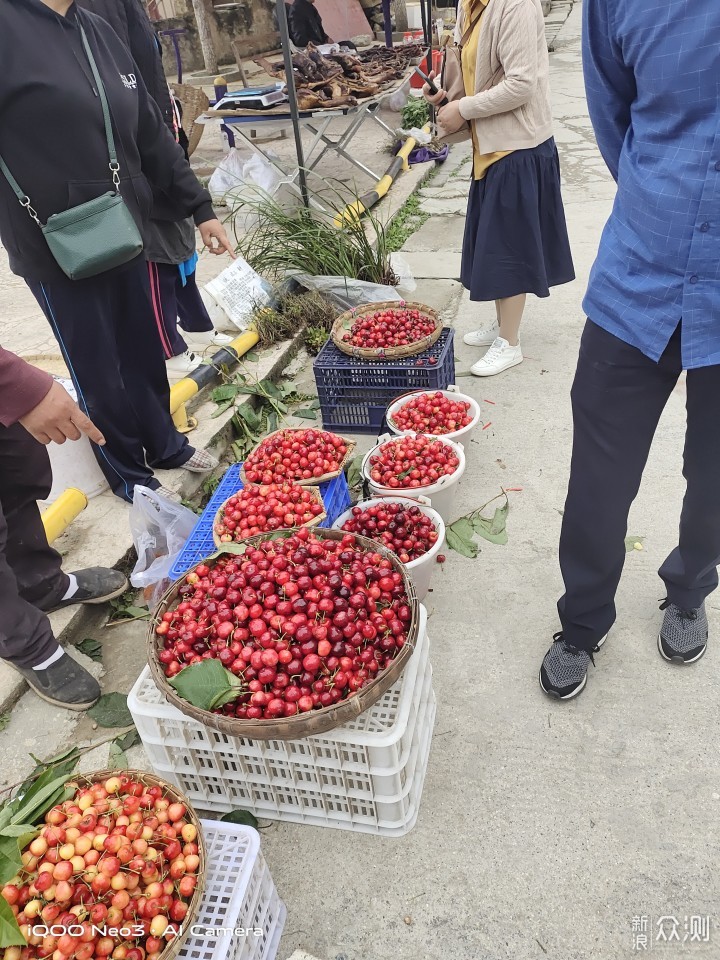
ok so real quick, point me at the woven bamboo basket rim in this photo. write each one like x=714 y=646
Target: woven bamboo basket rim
x=151 y=780
x=311 y=481
x=345 y=321
x=302 y=724
x=315 y=491
x=194 y=103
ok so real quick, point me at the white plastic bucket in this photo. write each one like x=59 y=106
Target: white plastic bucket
x=441 y=494
x=73 y=462
x=463 y=436
x=420 y=570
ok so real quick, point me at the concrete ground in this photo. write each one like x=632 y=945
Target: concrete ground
x=544 y=829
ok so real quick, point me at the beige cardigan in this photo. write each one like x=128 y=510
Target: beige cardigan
x=511 y=106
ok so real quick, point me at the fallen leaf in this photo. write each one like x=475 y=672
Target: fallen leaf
x=633 y=543
x=111 y=710
x=91 y=648
x=243 y=817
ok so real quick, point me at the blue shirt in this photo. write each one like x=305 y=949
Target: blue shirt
x=652 y=75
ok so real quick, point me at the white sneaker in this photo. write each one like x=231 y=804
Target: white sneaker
x=183 y=363
x=499 y=357
x=207 y=337
x=482 y=338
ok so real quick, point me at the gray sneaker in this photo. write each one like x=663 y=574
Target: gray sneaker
x=563 y=673
x=64 y=684
x=95 y=585
x=684 y=633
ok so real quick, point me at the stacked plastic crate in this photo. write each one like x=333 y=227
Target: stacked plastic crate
x=366 y=776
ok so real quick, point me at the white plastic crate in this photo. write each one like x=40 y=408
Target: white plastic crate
x=366 y=775
x=239 y=893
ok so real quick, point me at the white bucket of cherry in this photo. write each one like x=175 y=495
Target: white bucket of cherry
x=407 y=526
x=440 y=413
x=416 y=465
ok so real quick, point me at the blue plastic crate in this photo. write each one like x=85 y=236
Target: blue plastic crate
x=200 y=543
x=354 y=394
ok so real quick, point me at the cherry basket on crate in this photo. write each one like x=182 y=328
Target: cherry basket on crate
x=314 y=492
x=302 y=724
x=345 y=321
x=175 y=796
x=311 y=481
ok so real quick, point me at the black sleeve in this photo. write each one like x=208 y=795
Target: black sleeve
x=299 y=27
x=147 y=54
x=164 y=163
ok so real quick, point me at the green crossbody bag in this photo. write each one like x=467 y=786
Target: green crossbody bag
x=99 y=234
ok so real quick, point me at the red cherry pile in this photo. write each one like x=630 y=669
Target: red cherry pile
x=432 y=413
x=305 y=621
x=272 y=506
x=111 y=874
x=295 y=455
x=412 y=461
x=402 y=528
x=389 y=328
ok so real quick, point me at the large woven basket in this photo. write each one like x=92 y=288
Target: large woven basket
x=150 y=780
x=314 y=491
x=312 y=481
x=303 y=724
x=194 y=102
x=345 y=321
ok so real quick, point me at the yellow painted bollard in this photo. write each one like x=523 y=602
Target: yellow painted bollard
x=60 y=514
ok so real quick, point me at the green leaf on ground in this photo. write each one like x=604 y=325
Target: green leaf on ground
x=493 y=529
x=116 y=754
x=10 y=935
x=246 y=413
x=91 y=648
x=634 y=543
x=243 y=817
x=306 y=414
x=207 y=685
x=116 y=757
x=222 y=407
x=252 y=356
x=226 y=391
x=4 y=720
x=111 y=710
x=458 y=543
x=134 y=613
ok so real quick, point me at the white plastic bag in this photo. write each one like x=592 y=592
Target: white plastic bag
x=227 y=176
x=160 y=528
x=406 y=282
x=348 y=292
x=356 y=293
x=398 y=98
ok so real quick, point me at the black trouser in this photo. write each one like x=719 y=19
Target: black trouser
x=107 y=333
x=617 y=399
x=30 y=574
x=172 y=303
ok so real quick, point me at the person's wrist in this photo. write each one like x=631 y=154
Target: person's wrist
x=465 y=107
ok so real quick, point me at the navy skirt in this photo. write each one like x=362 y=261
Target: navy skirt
x=516 y=237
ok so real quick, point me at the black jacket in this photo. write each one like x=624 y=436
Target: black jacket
x=52 y=136
x=130 y=21
x=305 y=24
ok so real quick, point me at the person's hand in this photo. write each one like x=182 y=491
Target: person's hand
x=433 y=98
x=450 y=118
x=215 y=238
x=57 y=417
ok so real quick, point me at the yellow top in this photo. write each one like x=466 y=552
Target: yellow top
x=481 y=161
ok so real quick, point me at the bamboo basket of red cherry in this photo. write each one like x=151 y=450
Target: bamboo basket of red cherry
x=314 y=625
x=390 y=330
